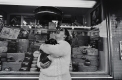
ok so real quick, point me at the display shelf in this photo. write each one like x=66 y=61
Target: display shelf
x=51 y=29
x=76 y=27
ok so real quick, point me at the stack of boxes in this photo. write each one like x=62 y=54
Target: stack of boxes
x=12 y=46
x=34 y=65
x=85 y=59
x=0 y=64
x=23 y=45
x=26 y=63
x=3 y=46
x=76 y=58
x=3 y=49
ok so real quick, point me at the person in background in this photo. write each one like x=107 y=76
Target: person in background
x=60 y=56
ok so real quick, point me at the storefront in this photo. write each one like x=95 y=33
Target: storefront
x=21 y=35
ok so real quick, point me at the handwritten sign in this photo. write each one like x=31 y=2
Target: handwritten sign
x=9 y=33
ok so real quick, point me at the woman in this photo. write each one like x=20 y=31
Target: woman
x=60 y=56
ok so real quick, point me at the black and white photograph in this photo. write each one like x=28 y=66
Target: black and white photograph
x=60 y=39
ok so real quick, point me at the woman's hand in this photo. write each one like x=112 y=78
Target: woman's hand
x=45 y=65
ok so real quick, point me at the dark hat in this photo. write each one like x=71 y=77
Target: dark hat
x=46 y=14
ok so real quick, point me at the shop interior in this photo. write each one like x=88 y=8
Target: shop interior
x=21 y=35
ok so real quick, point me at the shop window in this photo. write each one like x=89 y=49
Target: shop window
x=89 y=55
x=88 y=51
